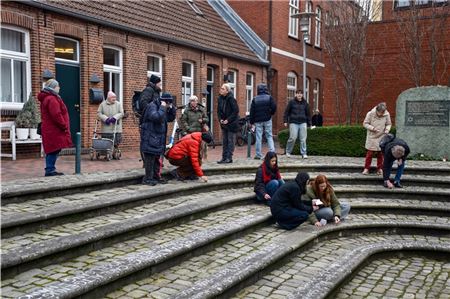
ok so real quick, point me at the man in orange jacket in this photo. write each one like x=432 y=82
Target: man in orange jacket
x=187 y=154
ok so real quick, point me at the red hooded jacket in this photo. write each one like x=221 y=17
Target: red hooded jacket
x=55 y=122
x=190 y=146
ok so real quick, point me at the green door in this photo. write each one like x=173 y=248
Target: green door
x=68 y=77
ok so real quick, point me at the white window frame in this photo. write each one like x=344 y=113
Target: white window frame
x=309 y=8
x=233 y=74
x=158 y=73
x=116 y=70
x=249 y=90
x=293 y=22
x=318 y=26
x=316 y=93
x=77 y=60
x=18 y=56
x=291 y=88
x=184 y=81
x=211 y=83
x=306 y=91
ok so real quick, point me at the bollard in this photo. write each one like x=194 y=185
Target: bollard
x=78 y=153
x=249 y=143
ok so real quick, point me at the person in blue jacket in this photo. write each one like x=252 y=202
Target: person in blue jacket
x=287 y=208
x=153 y=136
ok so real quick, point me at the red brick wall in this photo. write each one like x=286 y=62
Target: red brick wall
x=92 y=38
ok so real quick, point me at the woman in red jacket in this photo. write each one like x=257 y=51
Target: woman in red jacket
x=55 y=125
x=187 y=155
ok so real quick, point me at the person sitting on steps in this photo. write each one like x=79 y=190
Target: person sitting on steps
x=268 y=179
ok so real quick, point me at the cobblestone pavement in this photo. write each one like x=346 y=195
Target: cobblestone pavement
x=33 y=279
x=303 y=268
x=173 y=280
x=406 y=277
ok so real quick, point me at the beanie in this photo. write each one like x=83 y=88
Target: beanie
x=166 y=97
x=206 y=137
x=155 y=79
x=51 y=83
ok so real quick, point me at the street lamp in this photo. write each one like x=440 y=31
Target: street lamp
x=304 y=28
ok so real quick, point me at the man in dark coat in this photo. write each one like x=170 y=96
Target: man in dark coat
x=228 y=114
x=55 y=125
x=287 y=207
x=298 y=117
x=397 y=149
x=153 y=136
x=150 y=93
x=261 y=110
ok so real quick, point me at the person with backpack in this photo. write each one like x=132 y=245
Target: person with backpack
x=188 y=154
x=377 y=123
x=393 y=149
x=153 y=136
x=262 y=108
x=148 y=95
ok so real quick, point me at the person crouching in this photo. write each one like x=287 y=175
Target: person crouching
x=187 y=154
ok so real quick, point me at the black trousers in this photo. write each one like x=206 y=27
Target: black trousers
x=228 y=141
x=152 y=165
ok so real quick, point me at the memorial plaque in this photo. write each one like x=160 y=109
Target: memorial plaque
x=427 y=113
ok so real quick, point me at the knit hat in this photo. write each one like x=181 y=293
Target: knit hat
x=111 y=94
x=206 y=137
x=51 y=83
x=301 y=179
x=155 y=79
x=166 y=97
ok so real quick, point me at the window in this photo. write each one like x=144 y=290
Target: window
x=291 y=85
x=15 y=67
x=293 y=22
x=112 y=71
x=249 y=89
x=154 y=66
x=327 y=19
x=318 y=26
x=316 y=92
x=187 y=81
x=67 y=50
x=195 y=7
x=306 y=91
x=232 y=81
x=336 y=21
x=309 y=8
x=407 y=3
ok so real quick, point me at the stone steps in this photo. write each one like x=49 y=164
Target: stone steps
x=242 y=258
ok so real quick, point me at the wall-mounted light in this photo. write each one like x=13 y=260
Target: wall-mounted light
x=94 y=79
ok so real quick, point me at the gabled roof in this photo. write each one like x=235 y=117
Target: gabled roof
x=171 y=21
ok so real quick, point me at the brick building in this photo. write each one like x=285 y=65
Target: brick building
x=272 y=21
x=187 y=43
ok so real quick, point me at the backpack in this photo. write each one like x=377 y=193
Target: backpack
x=136 y=104
x=385 y=140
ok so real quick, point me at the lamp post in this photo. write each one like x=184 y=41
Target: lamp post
x=304 y=28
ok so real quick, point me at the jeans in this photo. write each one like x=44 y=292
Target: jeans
x=399 y=172
x=368 y=161
x=297 y=130
x=328 y=214
x=267 y=127
x=271 y=188
x=228 y=141
x=50 y=160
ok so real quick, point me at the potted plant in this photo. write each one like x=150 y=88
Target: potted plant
x=28 y=118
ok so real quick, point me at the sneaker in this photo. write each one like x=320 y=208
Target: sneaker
x=162 y=181
x=175 y=175
x=380 y=172
x=323 y=222
x=149 y=182
x=305 y=156
x=54 y=173
x=288 y=155
x=398 y=185
x=257 y=158
x=365 y=171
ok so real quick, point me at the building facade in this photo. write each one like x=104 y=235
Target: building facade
x=186 y=43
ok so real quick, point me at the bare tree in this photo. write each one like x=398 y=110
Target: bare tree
x=419 y=27
x=345 y=43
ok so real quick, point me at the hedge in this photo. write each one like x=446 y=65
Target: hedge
x=345 y=141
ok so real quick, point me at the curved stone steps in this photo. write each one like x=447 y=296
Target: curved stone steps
x=315 y=273
x=41 y=245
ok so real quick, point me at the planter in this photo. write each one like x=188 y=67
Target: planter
x=22 y=133
x=33 y=134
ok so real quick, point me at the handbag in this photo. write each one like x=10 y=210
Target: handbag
x=39 y=129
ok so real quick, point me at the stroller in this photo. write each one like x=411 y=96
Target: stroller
x=104 y=146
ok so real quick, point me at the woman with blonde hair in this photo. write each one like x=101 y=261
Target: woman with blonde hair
x=325 y=204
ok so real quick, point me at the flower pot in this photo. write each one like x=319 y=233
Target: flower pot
x=22 y=133
x=33 y=134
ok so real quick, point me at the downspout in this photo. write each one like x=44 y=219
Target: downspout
x=269 y=54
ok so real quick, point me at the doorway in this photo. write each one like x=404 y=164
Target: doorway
x=210 y=97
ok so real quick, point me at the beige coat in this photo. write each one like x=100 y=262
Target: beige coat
x=106 y=110
x=373 y=122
